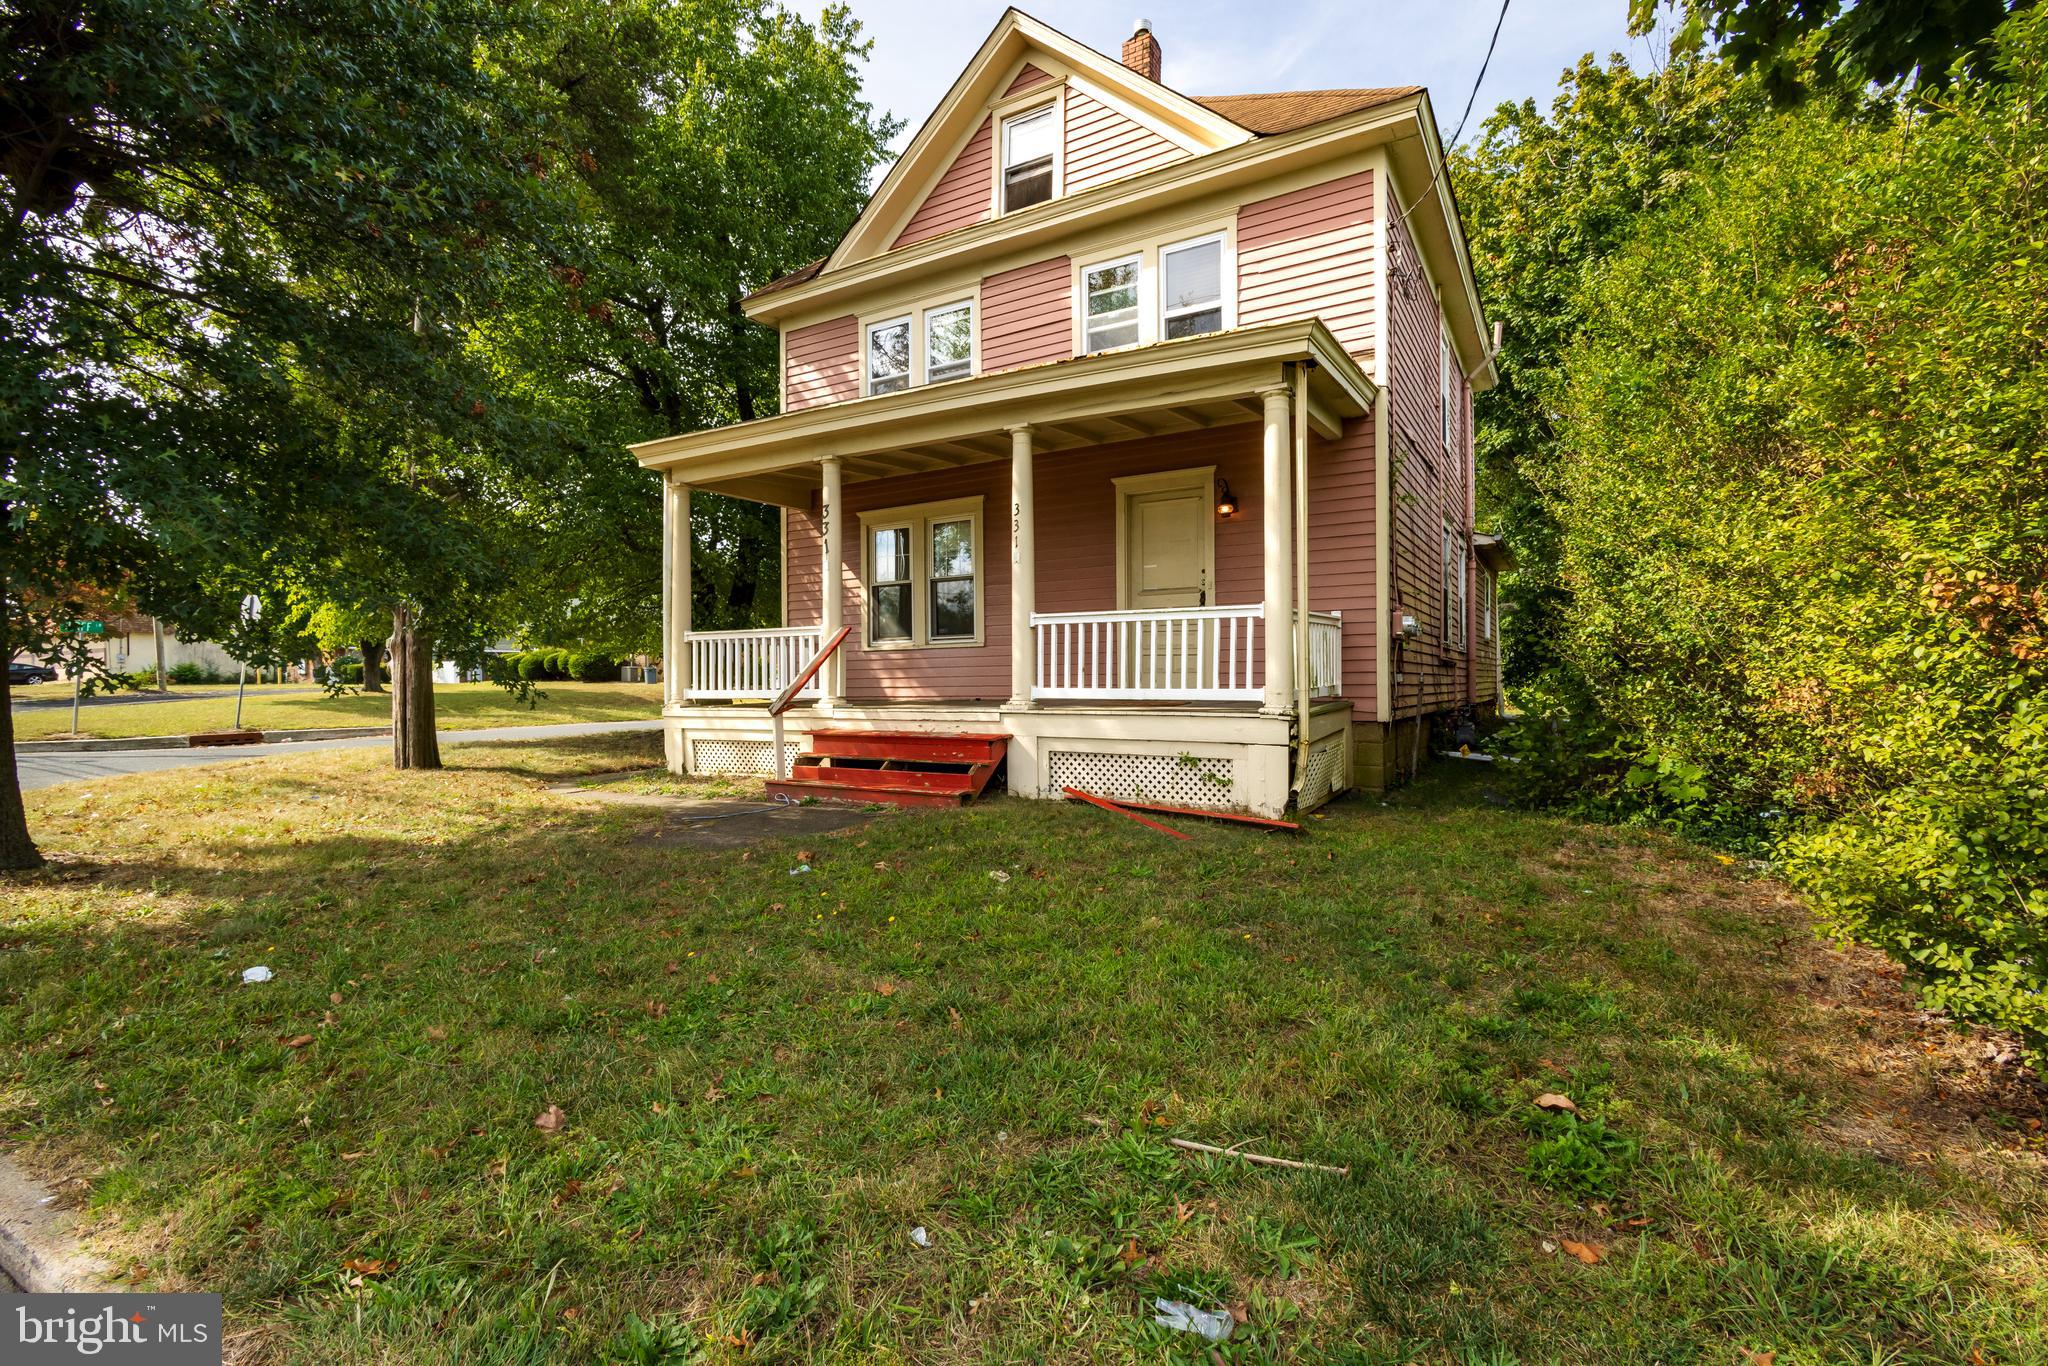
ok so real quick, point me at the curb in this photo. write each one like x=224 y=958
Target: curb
x=37 y=1247
x=270 y=737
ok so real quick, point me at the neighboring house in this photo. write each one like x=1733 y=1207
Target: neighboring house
x=1104 y=384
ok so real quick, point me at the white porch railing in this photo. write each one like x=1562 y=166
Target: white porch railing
x=1181 y=654
x=1325 y=654
x=735 y=664
x=1186 y=654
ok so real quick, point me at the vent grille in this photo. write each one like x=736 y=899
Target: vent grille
x=1146 y=777
x=738 y=756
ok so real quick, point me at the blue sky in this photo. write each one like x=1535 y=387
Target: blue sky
x=1230 y=47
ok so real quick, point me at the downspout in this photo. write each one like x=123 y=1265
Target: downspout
x=1302 y=686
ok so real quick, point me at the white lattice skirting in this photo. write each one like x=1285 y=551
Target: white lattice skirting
x=1319 y=776
x=1173 y=779
x=743 y=757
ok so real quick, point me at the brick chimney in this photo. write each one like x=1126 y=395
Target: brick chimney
x=1141 y=50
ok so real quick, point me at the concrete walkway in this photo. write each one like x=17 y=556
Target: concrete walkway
x=47 y=770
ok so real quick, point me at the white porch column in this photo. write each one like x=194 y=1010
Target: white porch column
x=1023 y=566
x=830 y=589
x=675 y=591
x=1277 y=513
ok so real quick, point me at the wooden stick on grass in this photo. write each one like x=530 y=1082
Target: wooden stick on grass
x=1260 y=1158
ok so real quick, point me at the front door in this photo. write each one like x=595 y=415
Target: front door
x=1168 y=537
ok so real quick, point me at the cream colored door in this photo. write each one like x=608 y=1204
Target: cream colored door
x=1165 y=565
x=1169 y=556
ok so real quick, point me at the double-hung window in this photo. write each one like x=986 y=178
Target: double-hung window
x=1454 y=590
x=1445 y=369
x=921 y=567
x=1110 y=303
x=889 y=356
x=1191 y=290
x=1486 y=602
x=1029 y=141
x=948 y=343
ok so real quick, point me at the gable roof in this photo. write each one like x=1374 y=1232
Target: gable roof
x=1286 y=110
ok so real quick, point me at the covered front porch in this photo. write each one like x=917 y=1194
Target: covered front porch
x=1154 y=503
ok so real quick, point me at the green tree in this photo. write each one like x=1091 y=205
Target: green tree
x=1844 y=45
x=210 y=205
x=1802 y=494
x=715 y=144
x=1546 y=198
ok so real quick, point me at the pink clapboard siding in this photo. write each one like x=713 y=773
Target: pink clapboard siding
x=1076 y=516
x=823 y=363
x=1030 y=78
x=1027 y=315
x=961 y=196
x=1104 y=145
x=1431 y=485
x=1308 y=254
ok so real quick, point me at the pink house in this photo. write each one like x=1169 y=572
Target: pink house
x=1130 y=427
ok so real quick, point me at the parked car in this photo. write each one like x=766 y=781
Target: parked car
x=18 y=672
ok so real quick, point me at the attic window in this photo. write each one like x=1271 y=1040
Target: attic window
x=1028 y=143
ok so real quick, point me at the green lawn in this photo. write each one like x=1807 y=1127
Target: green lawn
x=767 y=1079
x=458 y=706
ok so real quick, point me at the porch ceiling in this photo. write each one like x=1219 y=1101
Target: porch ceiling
x=1177 y=386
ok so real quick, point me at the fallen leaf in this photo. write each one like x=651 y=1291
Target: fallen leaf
x=354 y=1157
x=673 y=968
x=885 y=988
x=569 y=1191
x=297 y=1041
x=1130 y=1256
x=436 y=1033
x=1589 y=1253
x=1766 y=1358
x=804 y=856
x=1555 y=1103
x=334 y=998
x=367 y=1266
x=953 y=1016
x=496 y=1169
x=551 y=1119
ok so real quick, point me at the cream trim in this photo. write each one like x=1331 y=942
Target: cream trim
x=1015 y=38
x=917 y=518
x=1200 y=477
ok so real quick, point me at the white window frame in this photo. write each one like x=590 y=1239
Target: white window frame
x=1151 y=306
x=918 y=518
x=1033 y=103
x=1444 y=369
x=1486 y=600
x=867 y=351
x=1226 y=266
x=1454 y=589
x=923 y=359
x=918 y=315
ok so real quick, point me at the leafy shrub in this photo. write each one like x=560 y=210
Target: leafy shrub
x=1804 y=530
x=533 y=665
x=593 y=668
x=192 y=671
x=350 y=671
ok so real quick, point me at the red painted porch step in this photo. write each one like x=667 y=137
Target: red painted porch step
x=906 y=768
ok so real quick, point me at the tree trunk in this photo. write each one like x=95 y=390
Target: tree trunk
x=413 y=741
x=373 y=666
x=156 y=629
x=17 y=850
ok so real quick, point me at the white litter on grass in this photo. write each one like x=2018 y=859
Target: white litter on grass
x=998 y=875
x=920 y=1237
x=800 y=868
x=1182 y=1317
x=257 y=974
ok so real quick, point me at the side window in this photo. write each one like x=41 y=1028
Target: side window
x=889 y=356
x=948 y=343
x=1110 y=304
x=1454 y=590
x=1028 y=143
x=889 y=579
x=1444 y=371
x=1191 y=293
x=952 y=579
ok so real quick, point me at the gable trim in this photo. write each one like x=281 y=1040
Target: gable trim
x=1004 y=53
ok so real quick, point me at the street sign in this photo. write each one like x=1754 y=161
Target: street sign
x=252 y=609
x=86 y=628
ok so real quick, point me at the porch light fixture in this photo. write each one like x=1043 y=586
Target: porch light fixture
x=1226 y=501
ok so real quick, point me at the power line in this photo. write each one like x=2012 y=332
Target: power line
x=1470 y=100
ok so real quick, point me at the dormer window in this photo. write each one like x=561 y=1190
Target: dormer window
x=889 y=356
x=1029 y=141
